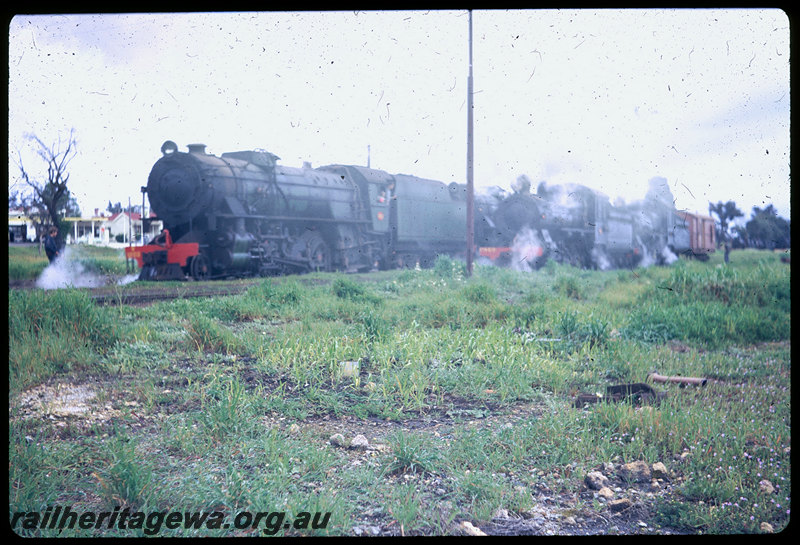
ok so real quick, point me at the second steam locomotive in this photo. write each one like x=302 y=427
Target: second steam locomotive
x=243 y=214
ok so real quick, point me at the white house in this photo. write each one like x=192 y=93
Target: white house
x=124 y=227
x=20 y=227
x=98 y=229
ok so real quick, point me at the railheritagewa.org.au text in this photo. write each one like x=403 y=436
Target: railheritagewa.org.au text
x=64 y=517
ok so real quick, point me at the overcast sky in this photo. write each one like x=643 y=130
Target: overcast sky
x=606 y=98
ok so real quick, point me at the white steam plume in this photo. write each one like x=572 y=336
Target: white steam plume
x=601 y=259
x=67 y=272
x=647 y=259
x=525 y=249
x=668 y=256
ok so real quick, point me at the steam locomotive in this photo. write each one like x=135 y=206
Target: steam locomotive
x=577 y=225
x=243 y=214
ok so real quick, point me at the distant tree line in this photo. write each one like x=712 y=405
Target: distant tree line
x=119 y=209
x=765 y=229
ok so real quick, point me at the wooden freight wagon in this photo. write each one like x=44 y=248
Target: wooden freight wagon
x=702 y=234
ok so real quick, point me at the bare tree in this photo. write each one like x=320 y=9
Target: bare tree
x=45 y=197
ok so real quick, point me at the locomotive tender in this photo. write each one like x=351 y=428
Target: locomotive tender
x=243 y=214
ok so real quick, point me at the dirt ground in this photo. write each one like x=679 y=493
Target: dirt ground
x=73 y=407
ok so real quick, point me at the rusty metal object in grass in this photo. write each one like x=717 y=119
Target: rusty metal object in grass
x=696 y=381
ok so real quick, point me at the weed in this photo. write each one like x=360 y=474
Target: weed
x=52 y=331
x=287 y=293
x=25 y=263
x=448 y=268
x=127 y=357
x=404 y=505
x=479 y=293
x=124 y=479
x=208 y=335
x=376 y=327
x=345 y=288
x=569 y=286
x=482 y=490
x=410 y=453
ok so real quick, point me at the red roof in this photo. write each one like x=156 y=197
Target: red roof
x=134 y=216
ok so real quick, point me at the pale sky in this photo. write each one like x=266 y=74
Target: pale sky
x=607 y=98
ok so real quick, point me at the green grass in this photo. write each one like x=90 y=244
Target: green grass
x=52 y=332
x=26 y=263
x=227 y=403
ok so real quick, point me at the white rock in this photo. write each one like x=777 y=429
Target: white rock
x=595 y=480
x=359 y=442
x=766 y=487
x=470 y=529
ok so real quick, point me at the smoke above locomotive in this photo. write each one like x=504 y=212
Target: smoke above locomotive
x=243 y=214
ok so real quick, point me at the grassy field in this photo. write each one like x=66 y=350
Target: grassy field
x=26 y=262
x=462 y=388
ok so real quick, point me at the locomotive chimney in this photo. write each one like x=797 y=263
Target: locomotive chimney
x=197 y=148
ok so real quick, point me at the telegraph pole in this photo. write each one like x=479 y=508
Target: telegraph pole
x=470 y=187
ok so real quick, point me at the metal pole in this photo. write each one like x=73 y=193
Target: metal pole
x=143 y=215
x=470 y=187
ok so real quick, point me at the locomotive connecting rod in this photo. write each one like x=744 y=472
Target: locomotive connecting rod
x=655 y=377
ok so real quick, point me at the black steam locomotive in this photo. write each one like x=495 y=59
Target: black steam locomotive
x=242 y=214
x=576 y=225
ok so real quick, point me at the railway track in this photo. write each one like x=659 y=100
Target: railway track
x=137 y=293
x=102 y=296
x=142 y=294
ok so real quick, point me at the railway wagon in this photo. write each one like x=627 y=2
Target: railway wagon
x=702 y=234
